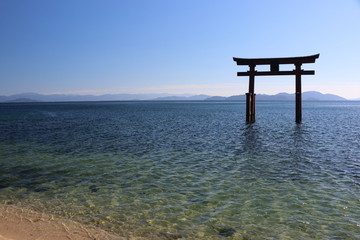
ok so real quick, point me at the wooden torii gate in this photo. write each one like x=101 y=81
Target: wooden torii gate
x=274 y=64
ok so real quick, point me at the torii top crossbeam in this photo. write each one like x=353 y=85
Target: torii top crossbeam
x=267 y=61
x=274 y=65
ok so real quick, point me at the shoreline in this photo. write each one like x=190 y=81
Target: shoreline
x=17 y=223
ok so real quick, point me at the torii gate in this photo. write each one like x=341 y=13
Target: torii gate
x=274 y=70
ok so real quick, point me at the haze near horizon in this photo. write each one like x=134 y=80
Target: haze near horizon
x=92 y=47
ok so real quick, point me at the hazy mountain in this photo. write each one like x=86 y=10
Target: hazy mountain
x=306 y=96
x=236 y=97
x=312 y=95
x=73 y=97
x=182 y=98
x=34 y=97
x=216 y=98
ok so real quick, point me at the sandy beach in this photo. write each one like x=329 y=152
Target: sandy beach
x=24 y=224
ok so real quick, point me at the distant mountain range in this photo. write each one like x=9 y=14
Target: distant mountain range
x=27 y=97
x=34 y=97
x=183 y=98
x=306 y=96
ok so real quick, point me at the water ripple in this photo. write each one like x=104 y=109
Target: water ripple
x=187 y=170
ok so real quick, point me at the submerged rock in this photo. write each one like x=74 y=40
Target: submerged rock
x=93 y=188
x=41 y=189
x=226 y=231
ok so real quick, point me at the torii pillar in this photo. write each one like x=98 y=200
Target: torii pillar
x=274 y=64
x=298 y=100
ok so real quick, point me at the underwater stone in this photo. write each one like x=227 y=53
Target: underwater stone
x=40 y=189
x=226 y=232
x=93 y=188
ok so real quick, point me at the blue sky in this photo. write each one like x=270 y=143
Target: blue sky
x=165 y=46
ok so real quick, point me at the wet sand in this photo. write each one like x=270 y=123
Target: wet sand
x=24 y=224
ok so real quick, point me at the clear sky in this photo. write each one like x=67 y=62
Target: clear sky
x=168 y=46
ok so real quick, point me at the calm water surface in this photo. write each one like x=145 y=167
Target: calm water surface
x=187 y=170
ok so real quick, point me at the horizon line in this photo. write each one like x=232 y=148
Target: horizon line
x=186 y=95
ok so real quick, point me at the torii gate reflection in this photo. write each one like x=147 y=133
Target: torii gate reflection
x=274 y=70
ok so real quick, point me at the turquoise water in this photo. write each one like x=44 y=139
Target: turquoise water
x=187 y=170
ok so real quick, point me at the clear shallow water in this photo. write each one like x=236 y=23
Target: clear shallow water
x=187 y=170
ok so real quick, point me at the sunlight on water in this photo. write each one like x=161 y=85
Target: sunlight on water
x=187 y=170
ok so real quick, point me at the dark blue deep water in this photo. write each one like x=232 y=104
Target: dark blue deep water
x=187 y=170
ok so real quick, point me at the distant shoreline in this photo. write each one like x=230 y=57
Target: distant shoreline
x=34 y=97
x=166 y=101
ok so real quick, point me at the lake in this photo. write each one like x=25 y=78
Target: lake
x=187 y=170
